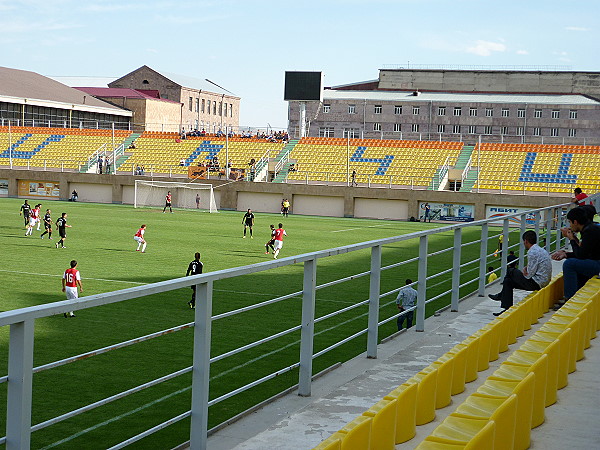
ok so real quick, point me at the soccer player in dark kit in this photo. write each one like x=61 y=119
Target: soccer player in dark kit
x=47 y=224
x=194 y=268
x=62 y=226
x=168 y=199
x=270 y=243
x=25 y=210
x=248 y=221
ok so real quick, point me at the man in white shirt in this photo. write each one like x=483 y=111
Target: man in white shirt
x=535 y=275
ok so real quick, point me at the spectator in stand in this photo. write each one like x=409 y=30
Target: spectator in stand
x=203 y=133
x=182 y=162
x=142 y=170
x=579 y=197
x=100 y=164
x=583 y=261
x=107 y=165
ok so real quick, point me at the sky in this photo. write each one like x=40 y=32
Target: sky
x=246 y=46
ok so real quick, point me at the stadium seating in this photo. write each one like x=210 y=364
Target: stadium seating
x=377 y=161
x=547 y=168
x=503 y=410
x=163 y=152
x=65 y=148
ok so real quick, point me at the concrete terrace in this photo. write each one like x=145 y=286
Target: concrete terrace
x=294 y=422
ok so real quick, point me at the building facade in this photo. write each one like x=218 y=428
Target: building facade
x=202 y=105
x=377 y=109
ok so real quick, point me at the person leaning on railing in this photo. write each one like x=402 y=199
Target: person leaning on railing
x=583 y=262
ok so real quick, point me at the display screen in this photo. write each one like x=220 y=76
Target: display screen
x=303 y=86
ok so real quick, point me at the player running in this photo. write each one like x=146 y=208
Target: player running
x=139 y=237
x=70 y=280
x=195 y=268
x=47 y=224
x=37 y=211
x=33 y=217
x=168 y=199
x=62 y=226
x=25 y=210
x=271 y=241
x=248 y=221
x=279 y=234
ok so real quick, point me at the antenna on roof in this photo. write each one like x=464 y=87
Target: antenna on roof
x=220 y=87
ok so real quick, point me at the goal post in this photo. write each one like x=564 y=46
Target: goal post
x=153 y=193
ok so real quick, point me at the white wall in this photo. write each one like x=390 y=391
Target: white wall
x=259 y=201
x=380 y=208
x=315 y=205
x=128 y=195
x=97 y=193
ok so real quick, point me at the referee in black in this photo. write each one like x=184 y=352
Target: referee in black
x=195 y=268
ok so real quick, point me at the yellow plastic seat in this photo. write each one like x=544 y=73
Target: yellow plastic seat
x=459 y=374
x=383 y=428
x=445 y=371
x=426 y=381
x=554 y=327
x=564 y=346
x=502 y=410
x=357 y=434
x=461 y=433
x=406 y=411
x=333 y=442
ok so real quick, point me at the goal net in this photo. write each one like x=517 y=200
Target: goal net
x=183 y=195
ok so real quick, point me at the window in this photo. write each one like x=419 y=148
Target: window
x=197 y=109
x=326 y=108
x=505 y=112
x=572 y=132
x=472 y=129
x=351 y=110
x=520 y=131
x=145 y=82
x=415 y=127
x=504 y=130
x=554 y=132
x=398 y=109
x=555 y=114
x=377 y=126
x=489 y=112
x=377 y=109
x=191 y=103
x=416 y=110
x=225 y=112
x=456 y=129
x=521 y=113
x=397 y=127
x=473 y=112
x=487 y=129
x=203 y=105
x=537 y=113
x=352 y=133
x=208 y=106
x=231 y=110
x=441 y=111
x=326 y=132
x=220 y=108
x=215 y=108
x=536 y=131
x=573 y=114
x=457 y=110
x=441 y=128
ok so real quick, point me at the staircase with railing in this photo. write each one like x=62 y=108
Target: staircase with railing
x=282 y=166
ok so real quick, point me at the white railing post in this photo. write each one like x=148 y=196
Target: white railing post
x=505 y=245
x=307 y=332
x=422 y=284
x=374 y=288
x=521 y=244
x=483 y=251
x=549 y=215
x=456 y=256
x=20 y=377
x=201 y=370
x=559 y=219
x=537 y=224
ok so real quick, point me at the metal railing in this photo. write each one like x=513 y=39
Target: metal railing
x=22 y=321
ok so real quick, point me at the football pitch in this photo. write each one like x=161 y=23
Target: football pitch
x=101 y=240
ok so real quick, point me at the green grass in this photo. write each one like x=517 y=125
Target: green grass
x=101 y=240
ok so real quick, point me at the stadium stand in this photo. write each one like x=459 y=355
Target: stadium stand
x=553 y=168
x=162 y=152
x=510 y=402
x=377 y=161
x=66 y=148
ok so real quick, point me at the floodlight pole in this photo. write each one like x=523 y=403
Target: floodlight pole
x=302 y=119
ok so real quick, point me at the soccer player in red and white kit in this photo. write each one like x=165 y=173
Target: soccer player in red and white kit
x=139 y=237
x=37 y=209
x=279 y=234
x=168 y=199
x=70 y=280
x=34 y=216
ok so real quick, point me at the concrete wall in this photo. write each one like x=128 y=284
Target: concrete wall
x=380 y=208
x=336 y=201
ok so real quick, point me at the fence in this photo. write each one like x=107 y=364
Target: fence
x=22 y=321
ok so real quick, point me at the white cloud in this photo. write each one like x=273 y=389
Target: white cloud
x=522 y=52
x=485 y=48
x=577 y=29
